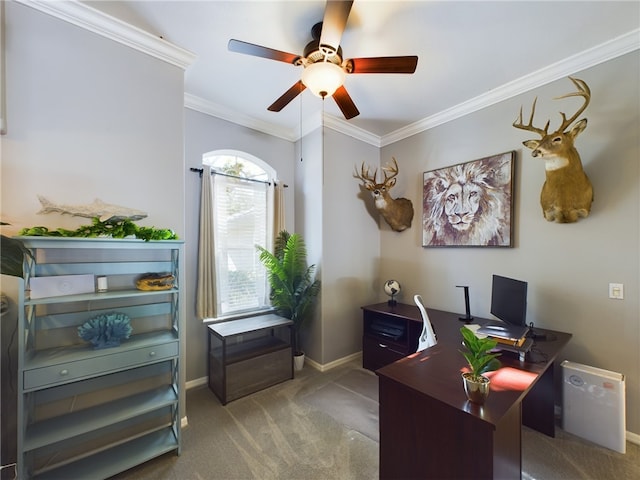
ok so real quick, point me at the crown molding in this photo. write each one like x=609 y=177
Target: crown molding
x=588 y=58
x=307 y=126
x=84 y=16
x=209 y=108
x=346 y=128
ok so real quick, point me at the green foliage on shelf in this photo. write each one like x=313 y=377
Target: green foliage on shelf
x=113 y=229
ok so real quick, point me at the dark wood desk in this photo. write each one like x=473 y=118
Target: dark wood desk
x=428 y=429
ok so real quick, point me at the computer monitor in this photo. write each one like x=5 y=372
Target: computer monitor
x=509 y=300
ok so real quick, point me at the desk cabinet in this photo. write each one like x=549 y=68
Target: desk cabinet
x=426 y=420
x=443 y=436
x=249 y=354
x=390 y=332
x=92 y=413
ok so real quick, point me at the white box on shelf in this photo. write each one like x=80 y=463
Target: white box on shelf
x=59 y=285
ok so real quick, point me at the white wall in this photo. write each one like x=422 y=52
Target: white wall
x=568 y=266
x=204 y=133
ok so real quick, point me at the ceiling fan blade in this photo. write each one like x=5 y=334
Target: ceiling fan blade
x=335 y=18
x=239 y=46
x=342 y=98
x=289 y=95
x=382 y=65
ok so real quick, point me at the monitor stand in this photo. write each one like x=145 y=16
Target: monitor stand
x=467 y=318
x=535 y=335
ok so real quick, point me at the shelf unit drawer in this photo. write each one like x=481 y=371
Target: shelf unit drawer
x=66 y=372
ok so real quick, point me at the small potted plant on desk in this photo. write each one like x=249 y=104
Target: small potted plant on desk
x=293 y=288
x=480 y=361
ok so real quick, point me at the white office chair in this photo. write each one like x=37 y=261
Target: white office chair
x=428 y=337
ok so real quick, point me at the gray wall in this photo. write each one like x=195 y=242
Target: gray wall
x=342 y=241
x=204 y=133
x=568 y=266
x=351 y=245
x=88 y=118
x=308 y=223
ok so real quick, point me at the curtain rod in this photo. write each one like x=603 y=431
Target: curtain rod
x=213 y=172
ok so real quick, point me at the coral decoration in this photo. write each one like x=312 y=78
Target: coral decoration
x=106 y=330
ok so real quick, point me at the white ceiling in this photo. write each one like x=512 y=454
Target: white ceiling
x=468 y=51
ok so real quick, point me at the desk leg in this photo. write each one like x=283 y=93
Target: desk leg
x=538 y=406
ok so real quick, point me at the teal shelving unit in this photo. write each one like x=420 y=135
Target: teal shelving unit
x=92 y=413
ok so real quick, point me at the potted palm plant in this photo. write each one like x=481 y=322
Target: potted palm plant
x=293 y=286
x=480 y=361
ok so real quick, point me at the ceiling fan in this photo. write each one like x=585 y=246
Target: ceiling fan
x=324 y=68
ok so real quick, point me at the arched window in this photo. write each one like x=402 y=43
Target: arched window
x=243 y=218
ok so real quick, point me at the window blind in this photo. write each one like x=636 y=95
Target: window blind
x=240 y=224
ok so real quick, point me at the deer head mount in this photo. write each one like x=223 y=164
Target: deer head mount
x=397 y=212
x=567 y=193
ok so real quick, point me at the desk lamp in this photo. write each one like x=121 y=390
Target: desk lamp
x=467 y=318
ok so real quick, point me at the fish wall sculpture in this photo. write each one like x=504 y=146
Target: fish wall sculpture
x=104 y=211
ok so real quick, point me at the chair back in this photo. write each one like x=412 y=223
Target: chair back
x=428 y=337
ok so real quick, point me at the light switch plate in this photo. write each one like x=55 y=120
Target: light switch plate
x=616 y=291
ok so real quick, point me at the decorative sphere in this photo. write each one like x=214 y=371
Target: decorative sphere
x=391 y=288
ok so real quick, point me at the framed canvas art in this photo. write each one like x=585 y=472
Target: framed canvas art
x=469 y=204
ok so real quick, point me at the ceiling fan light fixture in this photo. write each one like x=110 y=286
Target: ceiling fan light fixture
x=323 y=78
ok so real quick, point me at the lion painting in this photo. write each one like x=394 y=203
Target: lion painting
x=469 y=205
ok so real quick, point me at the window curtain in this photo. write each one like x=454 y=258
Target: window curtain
x=278 y=209
x=206 y=291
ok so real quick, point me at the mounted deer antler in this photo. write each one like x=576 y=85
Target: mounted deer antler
x=398 y=212
x=567 y=193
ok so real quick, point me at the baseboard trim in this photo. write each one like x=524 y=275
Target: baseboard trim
x=336 y=363
x=198 y=382
x=633 y=437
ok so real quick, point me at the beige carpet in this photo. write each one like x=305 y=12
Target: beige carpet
x=319 y=426
x=352 y=400
x=273 y=434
